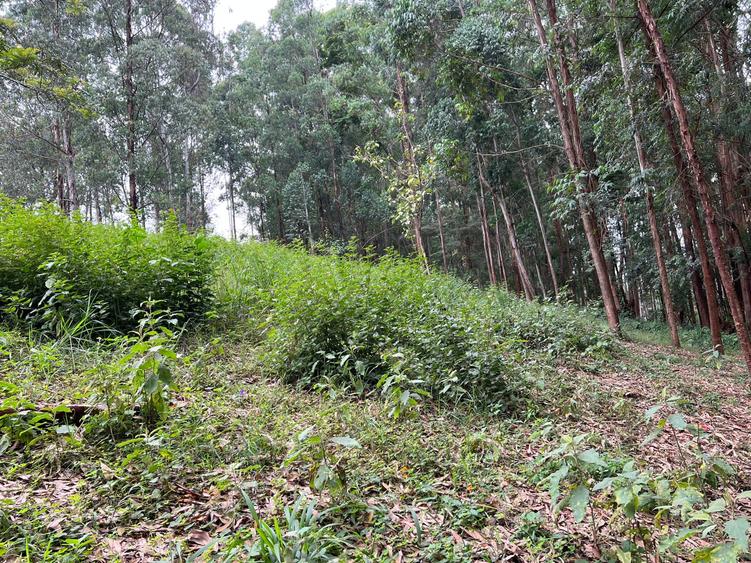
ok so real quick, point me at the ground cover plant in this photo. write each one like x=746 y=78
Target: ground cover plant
x=338 y=406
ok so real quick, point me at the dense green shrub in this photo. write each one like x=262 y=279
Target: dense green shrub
x=360 y=321
x=57 y=270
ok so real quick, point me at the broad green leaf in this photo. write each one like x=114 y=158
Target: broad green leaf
x=592 y=457
x=624 y=556
x=676 y=539
x=4 y=443
x=578 y=502
x=555 y=483
x=677 y=421
x=737 y=530
x=305 y=434
x=717 y=505
x=322 y=476
x=346 y=441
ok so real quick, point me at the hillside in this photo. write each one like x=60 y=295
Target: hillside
x=321 y=407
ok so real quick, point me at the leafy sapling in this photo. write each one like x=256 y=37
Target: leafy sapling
x=327 y=465
x=577 y=464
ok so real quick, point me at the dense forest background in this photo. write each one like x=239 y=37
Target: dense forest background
x=593 y=150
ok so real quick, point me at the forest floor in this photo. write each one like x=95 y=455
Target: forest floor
x=444 y=484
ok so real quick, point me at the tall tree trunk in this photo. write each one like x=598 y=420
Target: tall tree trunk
x=59 y=180
x=697 y=169
x=187 y=184
x=526 y=282
x=564 y=253
x=498 y=244
x=725 y=154
x=487 y=241
x=204 y=217
x=540 y=224
x=408 y=149
x=69 y=162
x=644 y=167
x=539 y=280
x=713 y=309
x=97 y=205
x=231 y=198
x=441 y=235
x=699 y=295
x=486 y=245
x=574 y=148
x=130 y=97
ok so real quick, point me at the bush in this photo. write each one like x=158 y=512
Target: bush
x=357 y=322
x=55 y=270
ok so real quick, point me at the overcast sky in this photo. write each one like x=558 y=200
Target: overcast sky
x=230 y=14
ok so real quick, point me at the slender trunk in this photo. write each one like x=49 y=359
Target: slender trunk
x=466 y=241
x=57 y=135
x=725 y=154
x=97 y=206
x=569 y=125
x=231 y=198
x=539 y=280
x=441 y=235
x=628 y=254
x=700 y=297
x=564 y=255
x=488 y=246
x=540 y=224
x=544 y=236
x=697 y=169
x=409 y=154
x=499 y=249
x=187 y=184
x=713 y=309
x=203 y=201
x=644 y=167
x=526 y=283
x=69 y=162
x=311 y=240
x=59 y=180
x=664 y=281
x=130 y=97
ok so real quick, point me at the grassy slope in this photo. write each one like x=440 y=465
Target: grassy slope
x=444 y=483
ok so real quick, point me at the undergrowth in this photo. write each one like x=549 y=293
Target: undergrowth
x=323 y=405
x=59 y=274
x=367 y=323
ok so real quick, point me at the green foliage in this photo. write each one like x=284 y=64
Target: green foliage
x=150 y=359
x=385 y=323
x=56 y=272
x=299 y=537
x=327 y=466
x=656 y=513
